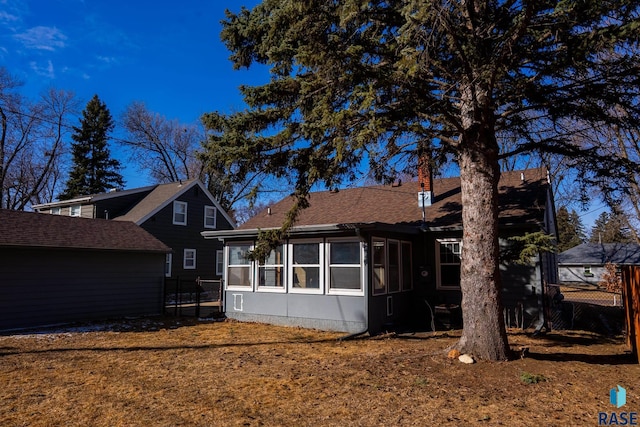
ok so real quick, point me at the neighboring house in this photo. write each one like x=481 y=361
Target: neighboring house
x=174 y=213
x=585 y=263
x=371 y=258
x=57 y=269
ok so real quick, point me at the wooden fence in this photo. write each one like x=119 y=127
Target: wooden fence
x=631 y=297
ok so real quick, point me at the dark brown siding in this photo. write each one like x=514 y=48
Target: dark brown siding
x=180 y=237
x=50 y=286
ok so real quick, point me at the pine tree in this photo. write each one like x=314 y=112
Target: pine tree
x=376 y=83
x=610 y=228
x=93 y=170
x=570 y=229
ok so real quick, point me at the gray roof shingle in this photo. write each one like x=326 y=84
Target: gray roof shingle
x=601 y=253
x=30 y=229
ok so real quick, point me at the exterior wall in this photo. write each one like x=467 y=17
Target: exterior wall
x=326 y=312
x=522 y=287
x=575 y=274
x=86 y=210
x=49 y=286
x=180 y=237
x=341 y=310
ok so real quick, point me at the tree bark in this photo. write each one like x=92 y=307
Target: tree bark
x=484 y=333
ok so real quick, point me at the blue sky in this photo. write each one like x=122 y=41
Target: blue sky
x=166 y=54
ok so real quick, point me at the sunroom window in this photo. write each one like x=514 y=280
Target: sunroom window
x=379 y=264
x=394 y=265
x=305 y=266
x=407 y=277
x=345 y=266
x=239 y=271
x=271 y=271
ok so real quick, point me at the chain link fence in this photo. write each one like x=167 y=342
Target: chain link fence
x=586 y=307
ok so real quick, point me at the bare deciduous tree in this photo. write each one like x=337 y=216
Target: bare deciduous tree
x=162 y=147
x=32 y=143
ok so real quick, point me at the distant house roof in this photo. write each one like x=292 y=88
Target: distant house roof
x=601 y=253
x=158 y=196
x=157 y=199
x=521 y=201
x=30 y=229
x=91 y=198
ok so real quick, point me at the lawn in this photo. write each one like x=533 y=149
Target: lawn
x=163 y=372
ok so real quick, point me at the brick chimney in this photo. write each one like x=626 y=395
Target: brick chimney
x=425 y=180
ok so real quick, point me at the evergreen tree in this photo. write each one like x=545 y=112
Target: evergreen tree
x=93 y=170
x=570 y=229
x=356 y=83
x=610 y=228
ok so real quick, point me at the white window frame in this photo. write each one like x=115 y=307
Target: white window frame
x=72 y=208
x=328 y=265
x=168 y=263
x=186 y=257
x=219 y=262
x=56 y=211
x=176 y=205
x=376 y=241
x=228 y=265
x=321 y=267
x=210 y=216
x=283 y=269
x=438 y=242
x=587 y=271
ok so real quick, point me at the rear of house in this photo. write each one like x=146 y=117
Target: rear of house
x=57 y=269
x=376 y=258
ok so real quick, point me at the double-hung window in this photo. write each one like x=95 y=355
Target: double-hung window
x=209 y=217
x=189 y=260
x=379 y=264
x=448 y=255
x=305 y=272
x=271 y=271
x=345 y=266
x=239 y=269
x=179 y=213
x=55 y=211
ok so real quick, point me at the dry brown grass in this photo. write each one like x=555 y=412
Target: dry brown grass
x=159 y=373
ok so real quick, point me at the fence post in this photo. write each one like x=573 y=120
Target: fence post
x=631 y=300
x=198 y=290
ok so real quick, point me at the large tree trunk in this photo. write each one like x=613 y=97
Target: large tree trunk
x=484 y=333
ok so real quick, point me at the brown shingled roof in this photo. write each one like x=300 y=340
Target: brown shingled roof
x=30 y=229
x=521 y=201
x=158 y=198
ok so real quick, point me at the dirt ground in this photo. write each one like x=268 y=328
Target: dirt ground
x=164 y=372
